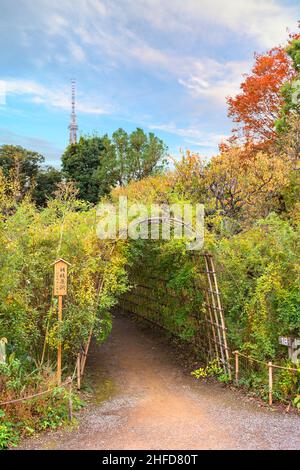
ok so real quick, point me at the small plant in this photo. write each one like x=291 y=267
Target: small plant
x=212 y=369
x=9 y=436
x=286 y=384
x=296 y=402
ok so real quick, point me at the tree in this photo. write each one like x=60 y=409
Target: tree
x=190 y=176
x=136 y=155
x=257 y=108
x=81 y=162
x=291 y=89
x=293 y=50
x=146 y=155
x=289 y=146
x=98 y=164
x=240 y=187
x=120 y=145
x=45 y=185
x=289 y=141
x=20 y=166
x=110 y=169
x=8 y=195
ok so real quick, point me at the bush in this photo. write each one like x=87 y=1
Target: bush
x=30 y=241
x=24 y=418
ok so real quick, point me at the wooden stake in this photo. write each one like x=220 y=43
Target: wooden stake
x=236 y=367
x=78 y=372
x=70 y=400
x=60 y=288
x=60 y=303
x=270 y=367
x=212 y=326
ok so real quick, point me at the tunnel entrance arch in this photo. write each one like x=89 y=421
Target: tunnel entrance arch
x=212 y=326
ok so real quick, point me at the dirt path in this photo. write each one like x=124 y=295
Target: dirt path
x=150 y=403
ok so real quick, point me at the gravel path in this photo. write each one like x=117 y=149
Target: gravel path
x=145 y=400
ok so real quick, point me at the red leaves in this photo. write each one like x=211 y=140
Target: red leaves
x=257 y=107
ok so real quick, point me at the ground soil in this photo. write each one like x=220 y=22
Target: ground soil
x=143 y=397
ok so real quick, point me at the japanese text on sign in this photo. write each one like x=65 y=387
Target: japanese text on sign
x=60 y=278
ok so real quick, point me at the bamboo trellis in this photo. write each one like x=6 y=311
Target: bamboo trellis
x=215 y=316
x=211 y=338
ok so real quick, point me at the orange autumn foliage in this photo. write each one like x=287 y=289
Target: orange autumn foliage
x=237 y=185
x=229 y=184
x=257 y=107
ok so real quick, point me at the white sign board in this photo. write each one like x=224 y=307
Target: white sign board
x=293 y=345
x=285 y=341
x=3 y=342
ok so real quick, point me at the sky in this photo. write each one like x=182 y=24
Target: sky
x=164 y=65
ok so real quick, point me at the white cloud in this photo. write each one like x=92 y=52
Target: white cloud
x=77 y=51
x=265 y=21
x=203 y=77
x=192 y=135
x=57 y=24
x=110 y=34
x=114 y=25
x=56 y=98
x=129 y=29
x=214 y=80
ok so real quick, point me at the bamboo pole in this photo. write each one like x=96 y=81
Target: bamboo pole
x=78 y=372
x=59 y=354
x=236 y=354
x=70 y=402
x=214 y=309
x=212 y=326
x=270 y=368
x=221 y=316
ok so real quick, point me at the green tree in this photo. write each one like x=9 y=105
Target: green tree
x=291 y=89
x=45 y=185
x=121 y=145
x=108 y=172
x=293 y=51
x=136 y=155
x=81 y=163
x=20 y=166
x=96 y=164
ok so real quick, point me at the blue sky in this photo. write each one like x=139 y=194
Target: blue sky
x=163 y=65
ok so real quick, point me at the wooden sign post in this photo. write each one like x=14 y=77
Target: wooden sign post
x=60 y=290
